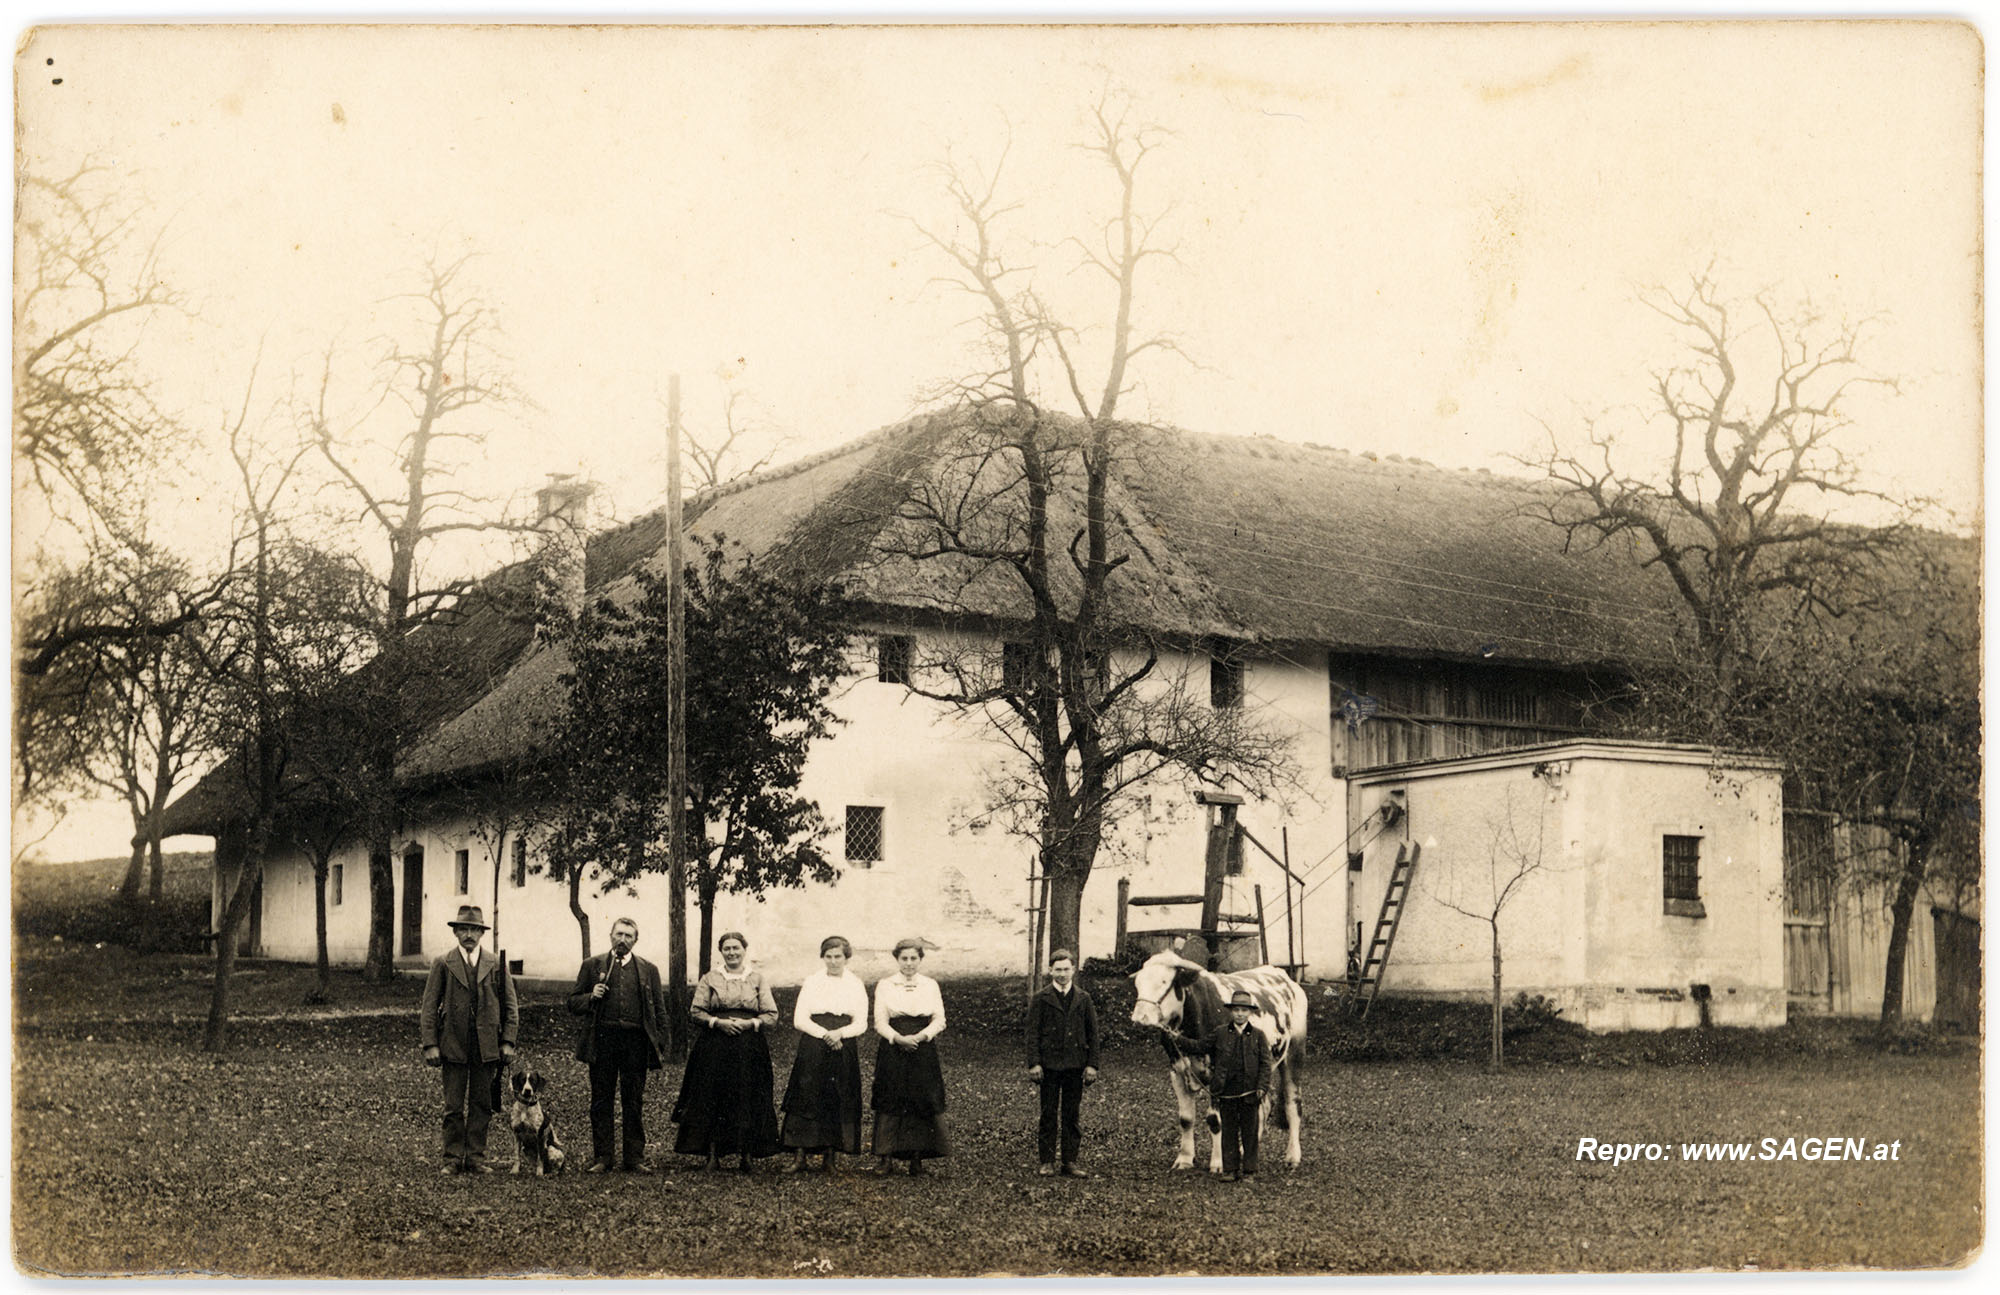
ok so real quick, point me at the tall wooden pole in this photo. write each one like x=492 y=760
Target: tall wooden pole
x=676 y=663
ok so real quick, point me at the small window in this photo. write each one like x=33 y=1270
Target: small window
x=520 y=875
x=1681 y=870
x=892 y=657
x=463 y=870
x=1225 y=683
x=333 y=884
x=864 y=835
x=1016 y=660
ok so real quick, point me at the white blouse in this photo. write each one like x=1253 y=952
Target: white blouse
x=838 y=994
x=917 y=996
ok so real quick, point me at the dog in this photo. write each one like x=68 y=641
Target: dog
x=535 y=1140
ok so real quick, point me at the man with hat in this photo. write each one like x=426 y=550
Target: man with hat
x=1239 y=1074
x=468 y=1023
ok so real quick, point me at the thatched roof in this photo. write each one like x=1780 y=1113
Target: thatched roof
x=1251 y=539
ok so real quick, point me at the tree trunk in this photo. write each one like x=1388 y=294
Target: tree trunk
x=135 y=871
x=324 y=987
x=1499 y=1013
x=499 y=853
x=576 y=907
x=163 y=790
x=1908 y=883
x=705 y=898
x=379 y=968
x=1065 y=915
x=249 y=854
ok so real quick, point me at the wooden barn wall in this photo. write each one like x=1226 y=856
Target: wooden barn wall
x=1426 y=710
x=1837 y=933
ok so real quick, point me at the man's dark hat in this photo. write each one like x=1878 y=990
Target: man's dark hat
x=469 y=915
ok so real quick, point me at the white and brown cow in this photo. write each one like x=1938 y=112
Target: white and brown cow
x=1183 y=996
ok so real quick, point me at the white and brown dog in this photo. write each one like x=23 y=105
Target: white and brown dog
x=535 y=1140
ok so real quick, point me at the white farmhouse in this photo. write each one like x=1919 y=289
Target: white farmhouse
x=1382 y=613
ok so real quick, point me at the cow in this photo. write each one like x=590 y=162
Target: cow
x=1176 y=994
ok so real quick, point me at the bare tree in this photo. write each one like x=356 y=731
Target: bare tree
x=156 y=720
x=84 y=416
x=440 y=377
x=86 y=424
x=1846 y=648
x=1738 y=513
x=1512 y=856
x=250 y=675
x=745 y=443
x=1020 y=505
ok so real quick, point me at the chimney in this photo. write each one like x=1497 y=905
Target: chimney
x=562 y=515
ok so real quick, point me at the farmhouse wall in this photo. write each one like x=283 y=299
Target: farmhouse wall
x=946 y=870
x=1644 y=962
x=1591 y=927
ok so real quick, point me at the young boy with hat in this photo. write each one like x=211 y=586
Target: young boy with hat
x=1239 y=1074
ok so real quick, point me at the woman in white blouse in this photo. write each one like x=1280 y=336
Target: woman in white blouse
x=823 y=1100
x=908 y=1097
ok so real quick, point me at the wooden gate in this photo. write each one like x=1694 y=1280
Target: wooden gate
x=1809 y=870
x=1956 y=947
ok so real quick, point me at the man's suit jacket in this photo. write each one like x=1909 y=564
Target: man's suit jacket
x=1239 y=1064
x=457 y=1005
x=652 y=1007
x=1062 y=1037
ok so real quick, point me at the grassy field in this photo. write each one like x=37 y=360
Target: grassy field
x=78 y=901
x=311 y=1150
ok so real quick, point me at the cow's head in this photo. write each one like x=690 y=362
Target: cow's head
x=1161 y=987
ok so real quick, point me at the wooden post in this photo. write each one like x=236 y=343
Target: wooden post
x=1291 y=954
x=1124 y=900
x=677 y=959
x=1221 y=826
x=1263 y=939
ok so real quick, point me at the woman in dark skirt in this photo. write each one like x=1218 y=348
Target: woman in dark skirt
x=823 y=1099
x=725 y=1103
x=908 y=1097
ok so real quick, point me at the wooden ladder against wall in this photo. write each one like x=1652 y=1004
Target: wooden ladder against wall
x=1393 y=899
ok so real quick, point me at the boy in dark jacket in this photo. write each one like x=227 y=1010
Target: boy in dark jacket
x=1239 y=1074
x=1062 y=1058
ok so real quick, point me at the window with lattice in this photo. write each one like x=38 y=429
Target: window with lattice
x=1225 y=683
x=1017 y=666
x=893 y=653
x=462 y=862
x=520 y=872
x=863 y=837
x=1681 y=871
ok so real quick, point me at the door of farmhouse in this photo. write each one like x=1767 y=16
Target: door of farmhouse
x=413 y=901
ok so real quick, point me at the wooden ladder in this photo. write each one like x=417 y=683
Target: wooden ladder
x=1393 y=899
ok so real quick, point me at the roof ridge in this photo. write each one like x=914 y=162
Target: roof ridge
x=702 y=498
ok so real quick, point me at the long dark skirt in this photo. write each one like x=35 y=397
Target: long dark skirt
x=823 y=1099
x=724 y=1107
x=908 y=1097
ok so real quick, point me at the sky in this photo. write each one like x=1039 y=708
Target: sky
x=1425 y=240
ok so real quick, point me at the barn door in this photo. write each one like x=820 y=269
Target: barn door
x=413 y=901
x=1957 y=946
x=1808 y=904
